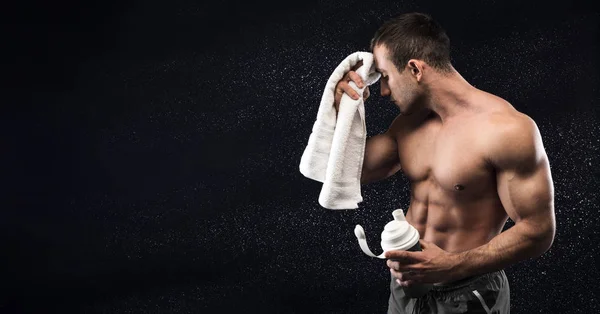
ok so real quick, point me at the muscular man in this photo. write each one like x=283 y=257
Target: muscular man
x=472 y=160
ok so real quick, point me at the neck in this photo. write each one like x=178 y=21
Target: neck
x=449 y=94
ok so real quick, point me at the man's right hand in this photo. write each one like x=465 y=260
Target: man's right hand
x=343 y=86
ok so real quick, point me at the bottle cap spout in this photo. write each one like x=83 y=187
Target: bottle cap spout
x=398 y=215
x=359 y=232
x=397 y=234
x=362 y=242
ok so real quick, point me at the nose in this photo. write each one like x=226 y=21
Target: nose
x=385 y=89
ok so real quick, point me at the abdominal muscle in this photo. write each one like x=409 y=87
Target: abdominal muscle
x=455 y=226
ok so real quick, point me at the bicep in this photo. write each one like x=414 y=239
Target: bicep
x=381 y=150
x=381 y=158
x=527 y=192
x=524 y=181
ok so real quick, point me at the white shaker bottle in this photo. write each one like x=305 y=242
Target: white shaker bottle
x=397 y=234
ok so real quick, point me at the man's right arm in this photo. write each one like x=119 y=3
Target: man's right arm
x=381 y=151
x=381 y=156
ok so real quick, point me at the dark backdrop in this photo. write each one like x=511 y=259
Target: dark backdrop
x=150 y=152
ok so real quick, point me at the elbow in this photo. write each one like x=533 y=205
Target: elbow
x=366 y=176
x=545 y=238
x=370 y=175
x=549 y=237
x=538 y=235
x=364 y=179
x=545 y=243
x=549 y=233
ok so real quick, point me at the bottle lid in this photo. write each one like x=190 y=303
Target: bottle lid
x=398 y=234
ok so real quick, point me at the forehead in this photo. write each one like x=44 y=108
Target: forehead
x=380 y=54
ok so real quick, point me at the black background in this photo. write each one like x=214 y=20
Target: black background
x=151 y=152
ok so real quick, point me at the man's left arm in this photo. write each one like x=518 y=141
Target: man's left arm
x=526 y=190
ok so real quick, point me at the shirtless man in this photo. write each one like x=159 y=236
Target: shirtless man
x=472 y=160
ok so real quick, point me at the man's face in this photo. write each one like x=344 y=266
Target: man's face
x=399 y=86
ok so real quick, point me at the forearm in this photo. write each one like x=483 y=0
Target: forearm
x=520 y=242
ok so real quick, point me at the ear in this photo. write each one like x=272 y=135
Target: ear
x=416 y=69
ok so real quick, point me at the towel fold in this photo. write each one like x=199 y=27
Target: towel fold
x=336 y=146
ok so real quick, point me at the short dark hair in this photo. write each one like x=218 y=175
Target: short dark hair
x=414 y=35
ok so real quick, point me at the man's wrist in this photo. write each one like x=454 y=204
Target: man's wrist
x=460 y=268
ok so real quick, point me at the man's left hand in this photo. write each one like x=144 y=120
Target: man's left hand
x=428 y=266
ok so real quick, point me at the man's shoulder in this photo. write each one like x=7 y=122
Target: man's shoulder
x=498 y=115
x=505 y=122
x=404 y=123
x=510 y=135
x=396 y=126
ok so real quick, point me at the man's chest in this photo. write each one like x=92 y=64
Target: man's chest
x=451 y=158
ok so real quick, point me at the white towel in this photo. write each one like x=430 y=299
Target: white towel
x=335 y=151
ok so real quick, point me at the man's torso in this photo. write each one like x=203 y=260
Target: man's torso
x=454 y=200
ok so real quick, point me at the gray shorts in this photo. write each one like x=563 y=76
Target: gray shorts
x=487 y=293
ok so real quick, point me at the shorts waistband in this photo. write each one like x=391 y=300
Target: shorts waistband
x=464 y=282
